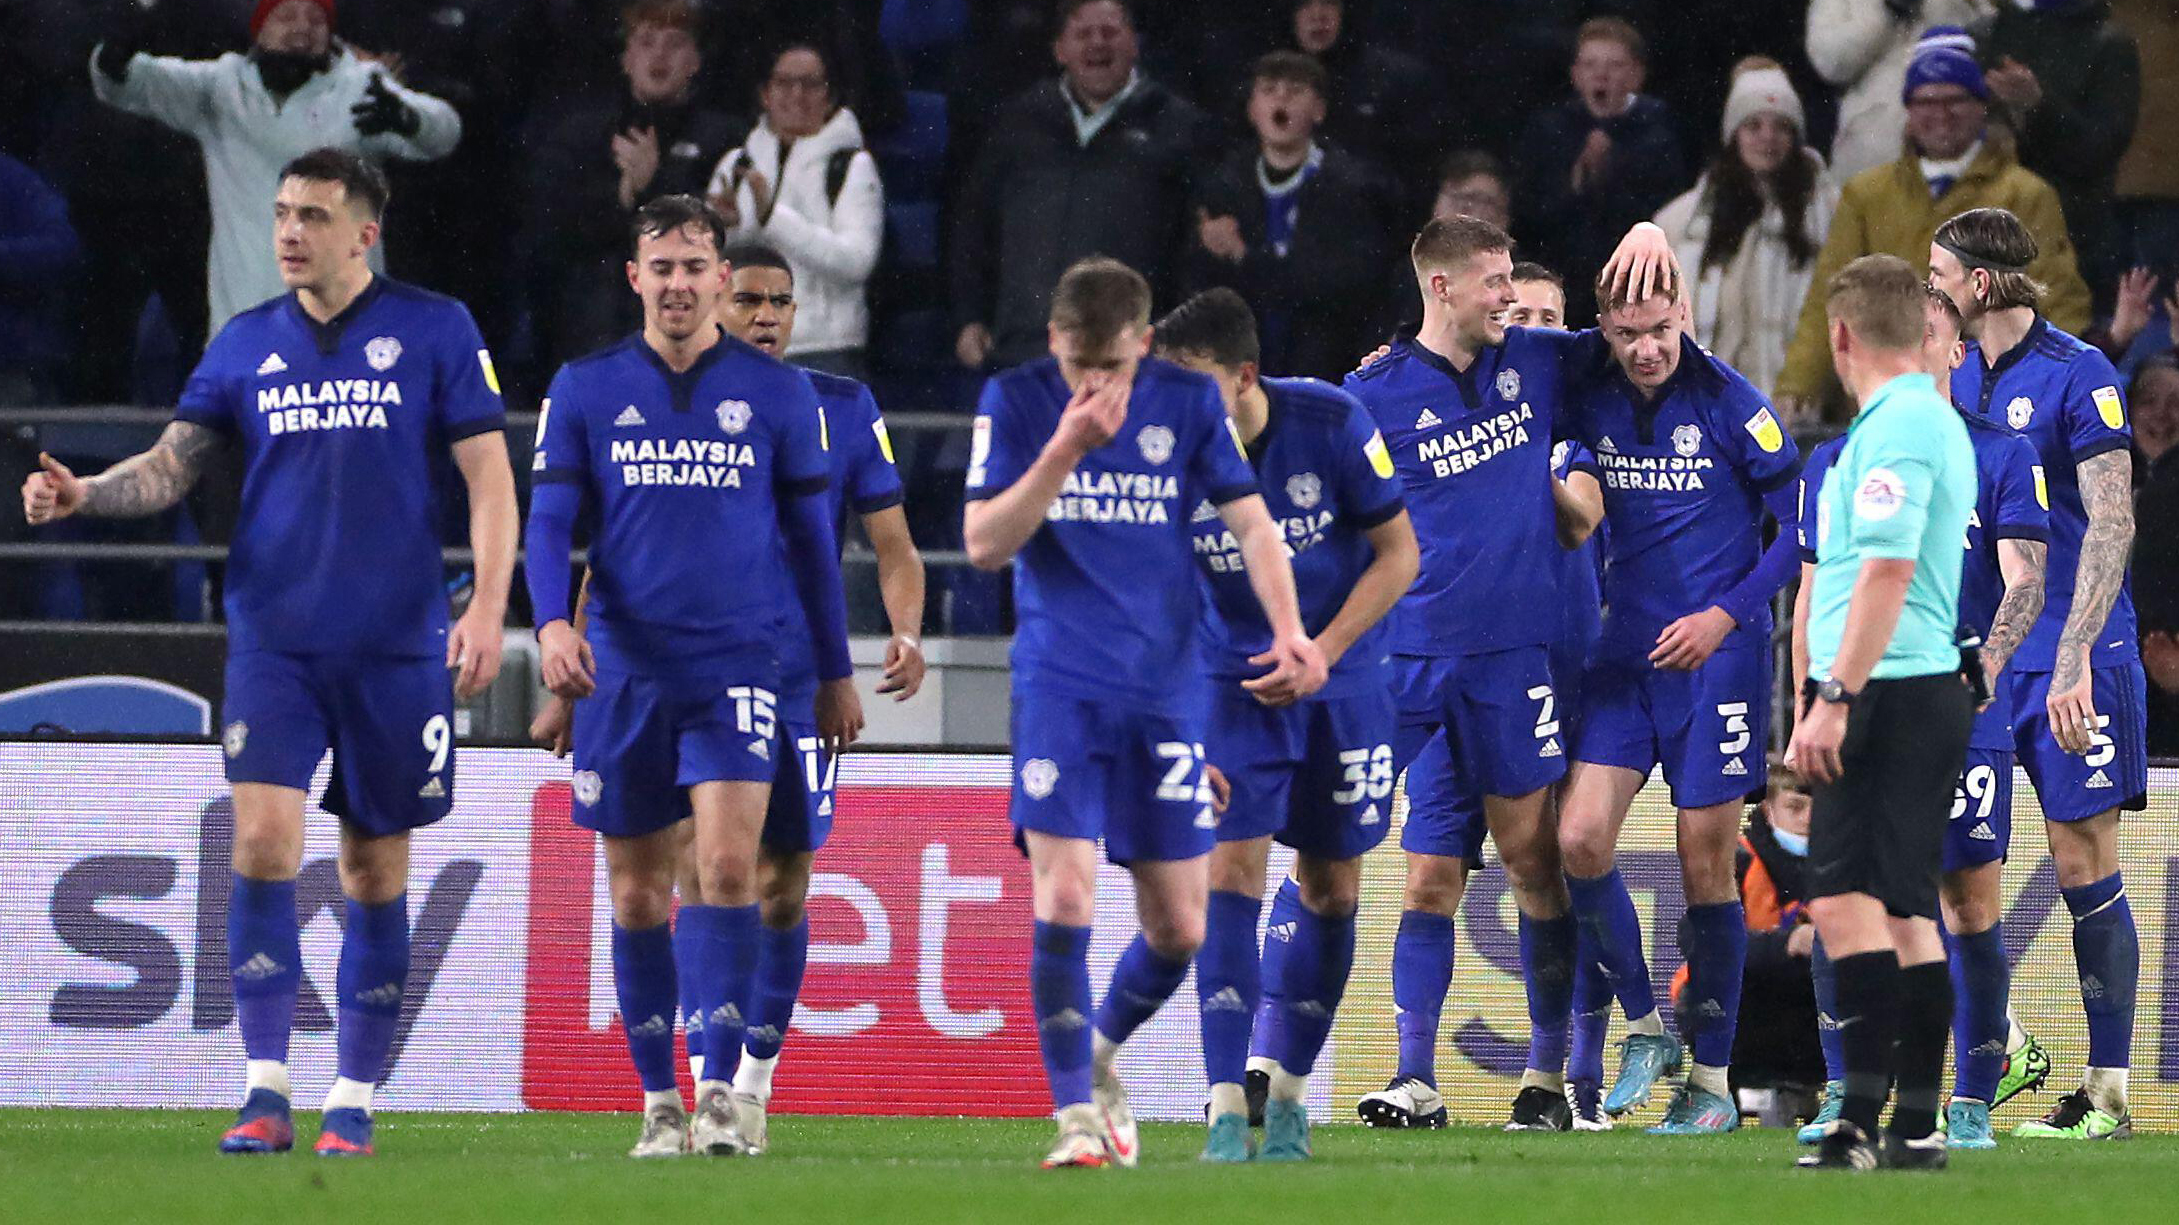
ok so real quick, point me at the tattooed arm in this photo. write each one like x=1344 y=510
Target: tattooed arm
x=2021 y=562
x=142 y=484
x=2106 y=482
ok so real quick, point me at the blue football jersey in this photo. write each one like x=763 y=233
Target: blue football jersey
x=343 y=428
x=1473 y=453
x=1105 y=597
x=2063 y=394
x=2009 y=505
x=1685 y=475
x=864 y=481
x=1581 y=571
x=1327 y=479
x=685 y=473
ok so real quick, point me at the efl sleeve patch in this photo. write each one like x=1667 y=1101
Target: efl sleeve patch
x=979 y=451
x=491 y=376
x=544 y=417
x=885 y=441
x=1380 y=459
x=1234 y=432
x=1881 y=495
x=824 y=430
x=2042 y=488
x=2110 y=408
x=1765 y=430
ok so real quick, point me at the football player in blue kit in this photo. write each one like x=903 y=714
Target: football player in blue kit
x=2001 y=594
x=759 y=309
x=1084 y=470
x=1468 y=408
x=1691 y=457
x=1316 y=775
x=342 y=396
x=706 y=463
x=2077 y=688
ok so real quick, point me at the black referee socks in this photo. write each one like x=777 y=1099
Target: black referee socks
x=1868 y=989
x=1925 y=1022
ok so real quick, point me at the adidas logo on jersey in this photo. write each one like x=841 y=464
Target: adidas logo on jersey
x=1227 y=999
x=2098 y=780
x=1607 y=446
x=383 y=995
x=1064 y=1019
x=1370 y=816
x=1280 y=931
x=258 y=968
x=630 y=415
x=655 y=1027
x=433 y=790
x=1982 y=832
x=762 y=748
x=1736 y=768
x=1428 y=421
x=271 y=365
x=1551 y=749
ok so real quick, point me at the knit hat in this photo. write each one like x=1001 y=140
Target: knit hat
x=1763 y=91
x=264 y=9
x=1945 y=55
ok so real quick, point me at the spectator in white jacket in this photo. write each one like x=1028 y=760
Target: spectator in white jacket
x=1748 y=233
x=296 y=89
x=804 y=185
x=1863 y=47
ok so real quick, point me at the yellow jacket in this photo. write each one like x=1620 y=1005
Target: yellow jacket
x=1888 y=210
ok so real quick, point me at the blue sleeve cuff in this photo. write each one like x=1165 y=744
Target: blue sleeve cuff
x=458 y=430
x=1231 y=493
x=1383 y=514
x=2021 y=531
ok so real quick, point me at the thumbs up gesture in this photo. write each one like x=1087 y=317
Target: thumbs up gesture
x=52 y=492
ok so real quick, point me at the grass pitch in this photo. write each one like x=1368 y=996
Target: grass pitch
x=121 y=1166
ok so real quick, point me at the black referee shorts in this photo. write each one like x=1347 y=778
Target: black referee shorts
x=1879 y=829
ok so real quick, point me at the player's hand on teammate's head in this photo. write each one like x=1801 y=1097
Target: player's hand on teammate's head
x=1221 y=788
x=565 y=662
x=1297 y=670
x=52 y=492
x=839 y=713
x=554 y=726
x=904 y=667
x=1643 y=265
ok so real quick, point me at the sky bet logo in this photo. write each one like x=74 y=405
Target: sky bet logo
x=164 y=974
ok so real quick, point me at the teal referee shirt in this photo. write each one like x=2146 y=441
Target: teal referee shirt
x=1902 y=488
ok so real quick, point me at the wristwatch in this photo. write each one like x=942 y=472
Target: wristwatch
x=1829 y=690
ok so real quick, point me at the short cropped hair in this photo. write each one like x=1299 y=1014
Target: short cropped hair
x=1098 y=298
x=667 y=214
x=1996 y=241
x=364 y=182
x=757 y=255
x=1216 y=324
x=1785 y=778
x=1610 y=297
x=684 y=15
x=1463 y=164
x=1942 y=303
x=1613 y=30
x=1447 y=242
x=1064 y=11
x=1528 y=272
x=1294 y=68
x=1882 y=301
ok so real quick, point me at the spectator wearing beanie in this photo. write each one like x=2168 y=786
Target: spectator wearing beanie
x=804 y=186
x=1299 y=229
x=1597 y=163
x=1748 y=232
x=2067 y=82
x=1949 y=167
x=296 y=89
x=1863 y=47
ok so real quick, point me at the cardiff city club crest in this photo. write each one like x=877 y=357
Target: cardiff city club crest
x=1687 y=440
x=1038 y=776
x=1156 y=442
x=588 y=788
x=2020 y=412
x=1304 y=490
x=733 y=415
x=234 y=738
x=382 y=352
x=1509 y=384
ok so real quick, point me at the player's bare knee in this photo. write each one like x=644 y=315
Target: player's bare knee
x=1330 y=888
x=373 y=870
x=1238 y=867
x=727 y=876
x=2084 y=852
x=783 y=888
x=641 y=899
x=1435 y=884
x=1173 y=933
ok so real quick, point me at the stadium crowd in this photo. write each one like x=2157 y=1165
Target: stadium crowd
x=929 y=167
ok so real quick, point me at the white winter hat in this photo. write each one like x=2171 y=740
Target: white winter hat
x=1763 y=91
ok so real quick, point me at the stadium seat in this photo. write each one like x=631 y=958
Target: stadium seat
x=911 y=235
x=910 y=26
x=913 y=158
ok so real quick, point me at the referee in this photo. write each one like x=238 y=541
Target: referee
x=1885 y=712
